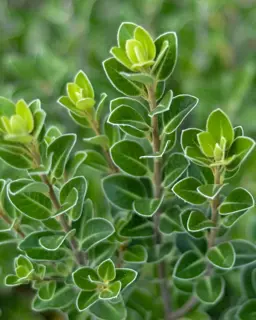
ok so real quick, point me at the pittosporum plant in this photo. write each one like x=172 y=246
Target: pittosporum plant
x=155 y=244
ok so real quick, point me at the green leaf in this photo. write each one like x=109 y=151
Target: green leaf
x=247 y=311
x=94 y=231
x=23 y=110
x=170 y=223
x=238 y=131
x=198 y=222
x=175 y=166
x=100 y=107
x=186 y=189
x=182 y=105
x=84 y=277
x=61 y=148
x=183 y=285
x=240 y=149
x=83 y=82
x=113 y=309
x=47 y=290
x=132 y=127
x=121 y=190
x=7 y=107
x=219 y=125
x=210 y=191
x=39 y=119
x=12 y=280
x=210 y=290
x=79 y=184
x=33 y=250
x=106 y=270
x=143 y=78
x=62 y=298
x=126 y=276
x=167 y=48
x=32 y=204
x=239 y=200
x=231 y=313
x=189 y=138
x=101 y=252
x=207 y=143
x=113 y=68
x=74 y=162
x=112 y=132
x=111 y=292
x=101 y=140
x=159 y=154
x=126 y=116
x=185 y=242
x=137 y=227
x=147 y=207
x=79 y=119
x=125 y=32
x=54 y=242
x=164 y=104
x=222 y=256
x=145 y=39
x=245 y=252
x=184 y=218
x=86 y=299
x=248 y=281
x=159 y=252
x=127 y=155
x=96 y=161
x=135 y=254
x=24 y=262
x=189 y=266
x=15 y=156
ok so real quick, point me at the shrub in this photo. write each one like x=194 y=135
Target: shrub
x=134 y=227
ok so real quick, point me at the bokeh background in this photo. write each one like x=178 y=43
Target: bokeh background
x=43 y=43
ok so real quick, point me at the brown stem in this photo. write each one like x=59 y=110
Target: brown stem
x=9 y=221
x=62 y=220
x=162 y=274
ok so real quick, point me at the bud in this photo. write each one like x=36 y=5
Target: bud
x=18 y=127
x=138 y=52
x=218 y=153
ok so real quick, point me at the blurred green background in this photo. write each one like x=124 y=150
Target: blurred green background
x=43 y=43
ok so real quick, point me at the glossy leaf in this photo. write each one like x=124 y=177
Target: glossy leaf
x=186 y=189
x=210 y=289
x=222 y=256
x=122 y=191
x=94 y=231
x=189 y=266
x=127 y=155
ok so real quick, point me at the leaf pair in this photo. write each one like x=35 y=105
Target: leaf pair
x=104 y=283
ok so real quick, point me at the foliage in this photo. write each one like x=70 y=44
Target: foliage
x=105 y=230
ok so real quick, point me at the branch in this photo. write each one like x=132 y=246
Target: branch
x=9 y=221
x=62 y=220
x=190 y=304
x=95 y=127
x=162 y=274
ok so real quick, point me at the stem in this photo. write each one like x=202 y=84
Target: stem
x=189 y=305
x=162 y=274
x=9 y=221
x=62 y=220
x=95 y=127
x=184 y=309
x=214 y=209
